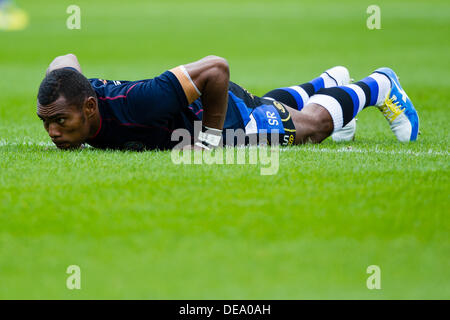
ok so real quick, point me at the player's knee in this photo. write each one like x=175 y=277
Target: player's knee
x=322 y=125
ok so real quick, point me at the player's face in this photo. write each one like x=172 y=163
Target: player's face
x=66 y=124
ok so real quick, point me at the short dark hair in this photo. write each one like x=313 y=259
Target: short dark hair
x=71 y=84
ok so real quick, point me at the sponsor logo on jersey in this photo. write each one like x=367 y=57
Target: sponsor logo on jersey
x=279 y=106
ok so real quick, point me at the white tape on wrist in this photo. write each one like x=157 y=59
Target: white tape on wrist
x=211 y=139
x=201 y=145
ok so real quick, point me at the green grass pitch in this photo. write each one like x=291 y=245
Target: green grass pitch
x=141 y=227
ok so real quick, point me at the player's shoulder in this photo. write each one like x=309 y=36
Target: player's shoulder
x=102 y=83
x=141 y=93
x=111 y=88
x=102 y=86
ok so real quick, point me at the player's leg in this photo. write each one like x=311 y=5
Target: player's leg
x=313 y=123
x=332 y=108
x=297 y=96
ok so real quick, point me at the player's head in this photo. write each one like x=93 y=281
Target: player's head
x=66 y=103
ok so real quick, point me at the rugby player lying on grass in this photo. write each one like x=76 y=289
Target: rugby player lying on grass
x=141 y=115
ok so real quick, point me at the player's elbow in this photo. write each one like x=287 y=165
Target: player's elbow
x=219 y=67
x=71 y=56
x=210 y=71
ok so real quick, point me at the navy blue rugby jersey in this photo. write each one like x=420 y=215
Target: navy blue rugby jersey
x=141 y=115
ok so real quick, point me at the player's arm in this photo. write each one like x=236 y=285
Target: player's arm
x=208 y=78
x=66 y=61
x=211 y=76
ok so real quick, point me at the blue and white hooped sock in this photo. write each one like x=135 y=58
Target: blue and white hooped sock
x=345 y=102
x=297 y=96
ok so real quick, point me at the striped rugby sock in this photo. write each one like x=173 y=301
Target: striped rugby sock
x=345 y=102
x=297 y=96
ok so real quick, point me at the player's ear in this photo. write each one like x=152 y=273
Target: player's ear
x=90 y=106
